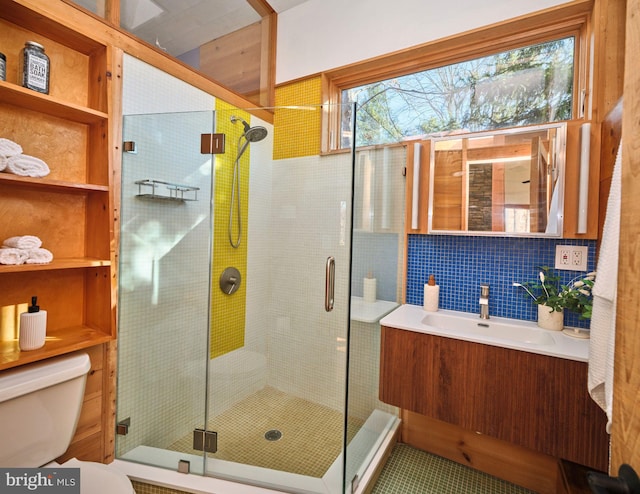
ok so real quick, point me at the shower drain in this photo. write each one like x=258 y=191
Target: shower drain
x=273 y=435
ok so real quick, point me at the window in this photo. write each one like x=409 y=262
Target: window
x=525 y=86
x=523 y=72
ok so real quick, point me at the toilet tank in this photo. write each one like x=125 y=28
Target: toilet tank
x=39 y=409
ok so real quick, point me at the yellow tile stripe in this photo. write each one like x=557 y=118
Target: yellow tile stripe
x=228 y=311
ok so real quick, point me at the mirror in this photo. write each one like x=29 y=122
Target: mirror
x=506 y=182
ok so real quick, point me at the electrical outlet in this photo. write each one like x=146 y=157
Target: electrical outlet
x=571 y=257
x=579 y=258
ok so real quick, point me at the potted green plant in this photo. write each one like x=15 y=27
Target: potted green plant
x=552 y=297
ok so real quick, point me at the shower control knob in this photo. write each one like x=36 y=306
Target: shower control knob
x=230 y=280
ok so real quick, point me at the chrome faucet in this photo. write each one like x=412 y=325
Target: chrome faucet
x=484 y=301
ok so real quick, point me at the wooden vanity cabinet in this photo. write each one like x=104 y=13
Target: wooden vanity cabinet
x=534 y=401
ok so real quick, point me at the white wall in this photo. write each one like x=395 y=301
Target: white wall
x=324 y=34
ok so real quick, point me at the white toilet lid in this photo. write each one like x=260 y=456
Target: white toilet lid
x=96 y=478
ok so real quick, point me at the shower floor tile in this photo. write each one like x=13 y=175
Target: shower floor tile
x=311 y=433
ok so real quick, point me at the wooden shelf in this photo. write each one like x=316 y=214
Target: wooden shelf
x=57 y=342
x=74 y=263
x=51 y=185
x=32 y=100
x=73 y=209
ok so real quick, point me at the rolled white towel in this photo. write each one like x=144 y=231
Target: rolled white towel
x=9 y=148
x=39 y=256
x=3 y=162
x=27 y=166
x=10 y=255
x=24 y=242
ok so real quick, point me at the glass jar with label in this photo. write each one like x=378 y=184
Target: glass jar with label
x=34 y=67
x=3 y=67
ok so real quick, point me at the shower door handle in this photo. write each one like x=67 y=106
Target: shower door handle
x=329 y=285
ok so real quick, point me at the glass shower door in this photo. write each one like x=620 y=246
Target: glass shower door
x=164 y=286
x=260 y=370
x=278 y=397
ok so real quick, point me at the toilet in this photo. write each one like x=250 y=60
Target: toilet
x=39 y=409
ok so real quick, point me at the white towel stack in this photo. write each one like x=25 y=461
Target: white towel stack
x=24 y=249
x=27 y=166
x=12 y=160
x=8 y=149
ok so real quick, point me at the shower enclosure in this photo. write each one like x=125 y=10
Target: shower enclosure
x=245 y=362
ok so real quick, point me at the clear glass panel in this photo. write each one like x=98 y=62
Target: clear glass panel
x=525 y=86
x=222 y=39
x=375 y=291
x=95 y=6
x=277 y=393
x=255 y=357
x=165 y=241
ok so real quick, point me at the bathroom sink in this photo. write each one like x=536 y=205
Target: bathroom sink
x=515 y=334
x=500 y=328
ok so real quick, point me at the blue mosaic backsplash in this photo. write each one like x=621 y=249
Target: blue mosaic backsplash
x=460 y=264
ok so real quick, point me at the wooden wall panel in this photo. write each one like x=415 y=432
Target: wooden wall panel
x=87 y=443
x=611 y=134
x=501 y=459
x=234 y=59
x=625 y=442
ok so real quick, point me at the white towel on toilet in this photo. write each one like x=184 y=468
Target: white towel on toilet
x=605 y=288
x=11 y=256
x=24 y=242
x=9 y=148
x=27 y=166
x=39 y=256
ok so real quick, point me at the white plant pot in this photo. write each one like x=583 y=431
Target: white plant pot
x=548 y=319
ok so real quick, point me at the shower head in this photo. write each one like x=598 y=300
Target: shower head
x=251 y=134
x=255 y=134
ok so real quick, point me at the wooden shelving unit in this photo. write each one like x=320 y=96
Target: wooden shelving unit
x=70 y=209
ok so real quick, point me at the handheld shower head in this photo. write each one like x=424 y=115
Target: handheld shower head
x=251 y=134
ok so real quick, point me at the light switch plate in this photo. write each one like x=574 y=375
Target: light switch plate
x=571 y=257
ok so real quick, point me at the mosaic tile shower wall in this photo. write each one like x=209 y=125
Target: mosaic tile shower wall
x=460 y=264
x=228 y=312
x=298 y=130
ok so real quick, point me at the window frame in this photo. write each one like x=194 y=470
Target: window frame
x=571 y=19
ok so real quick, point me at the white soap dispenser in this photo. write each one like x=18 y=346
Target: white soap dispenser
x=33 y=327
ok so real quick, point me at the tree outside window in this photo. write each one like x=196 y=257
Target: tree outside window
x=525 y=86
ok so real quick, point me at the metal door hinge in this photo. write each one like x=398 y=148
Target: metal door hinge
x=122 y=427
x=204 y=440
x=129 y=147
x=212 y=143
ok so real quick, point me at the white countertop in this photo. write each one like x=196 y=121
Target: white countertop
x=370 y=312
x=410 y=318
